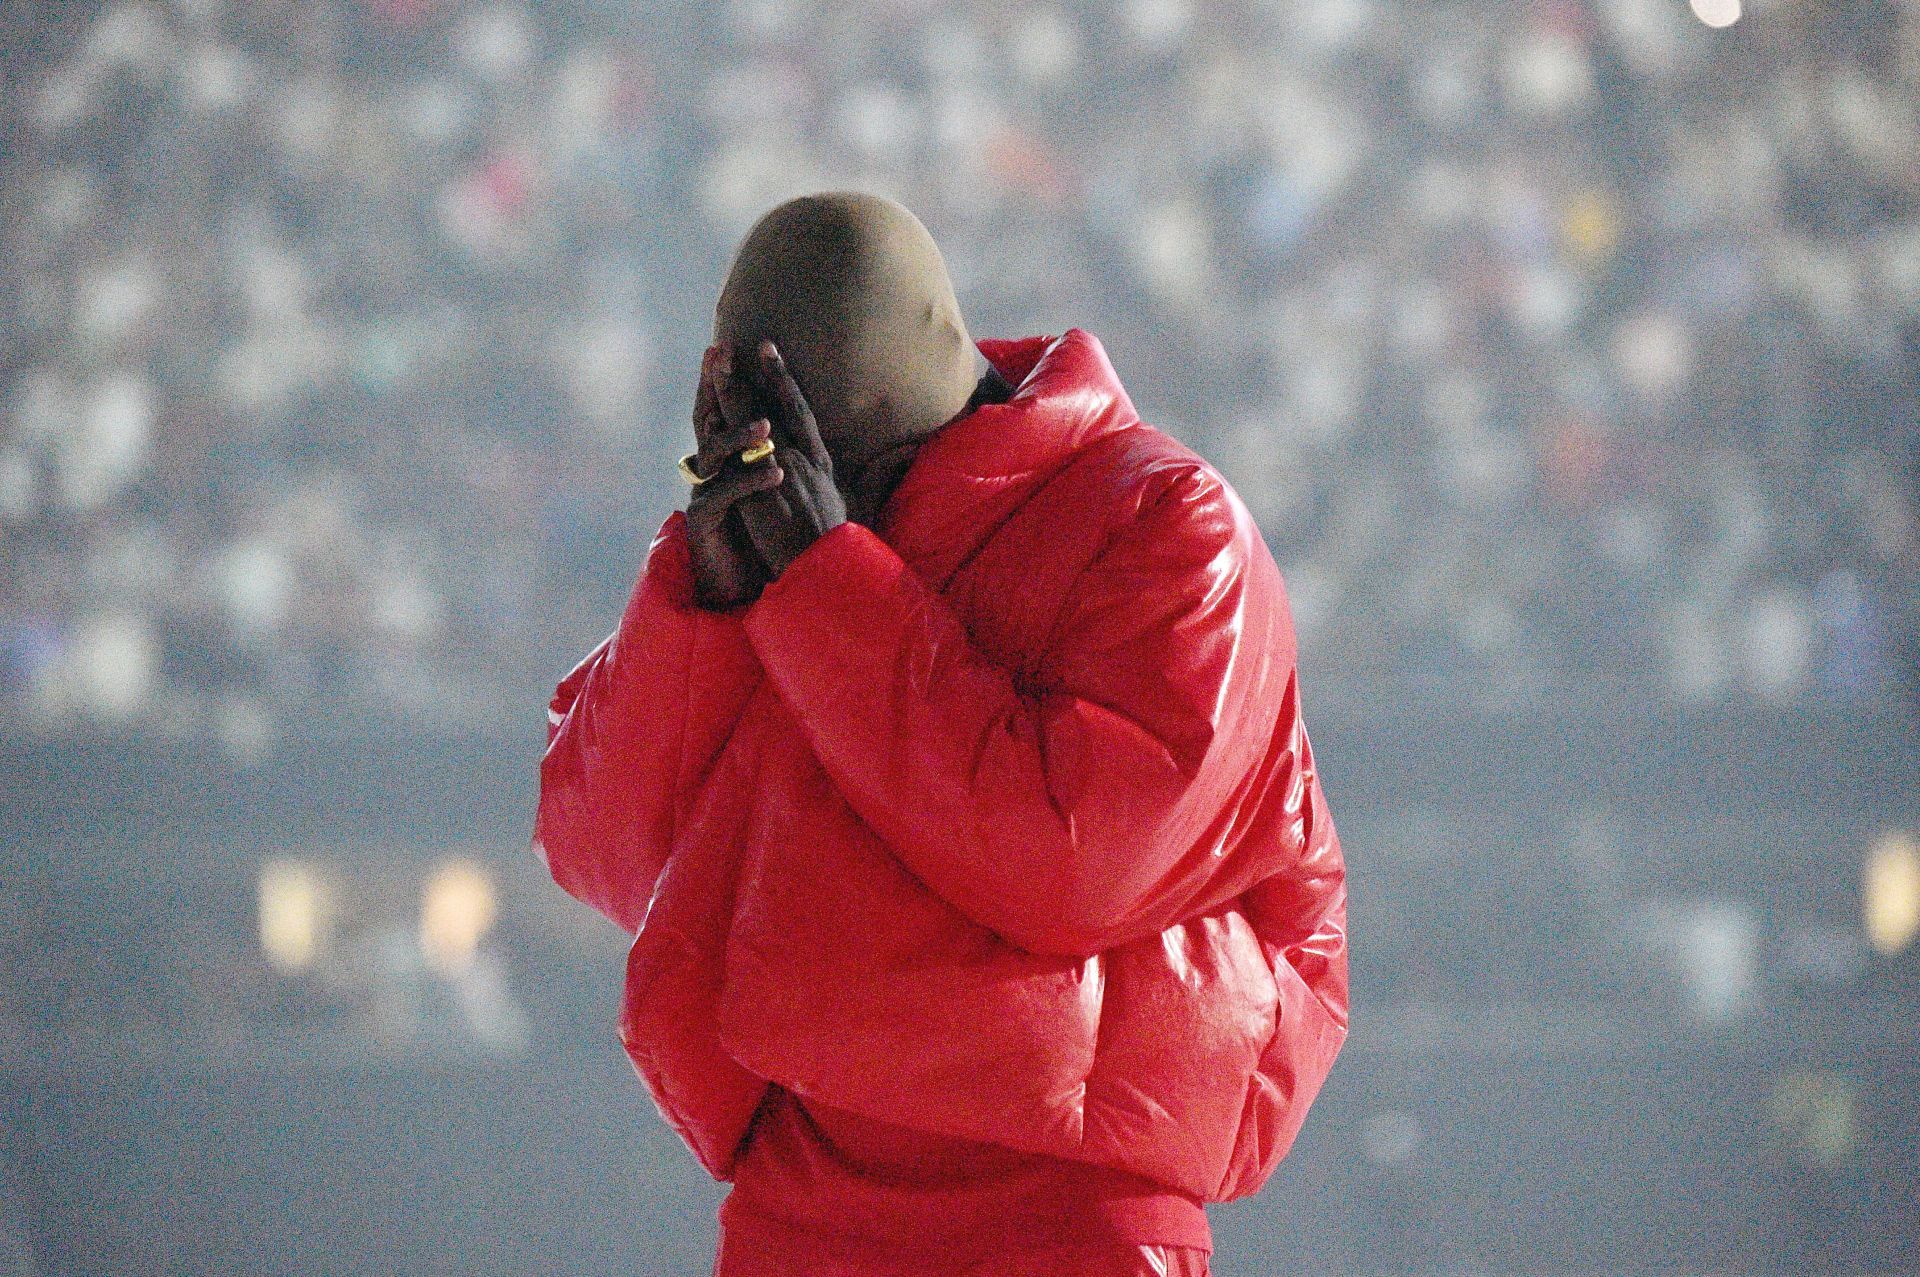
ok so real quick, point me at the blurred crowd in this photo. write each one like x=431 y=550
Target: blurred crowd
x=1565 y=350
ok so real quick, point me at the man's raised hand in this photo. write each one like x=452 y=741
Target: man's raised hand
x=806 y=502
x=727 y=569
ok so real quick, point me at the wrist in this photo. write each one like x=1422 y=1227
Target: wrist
x=818 y=537
x=709 y=602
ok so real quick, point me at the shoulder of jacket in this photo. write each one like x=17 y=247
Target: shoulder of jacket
x=1145 y=475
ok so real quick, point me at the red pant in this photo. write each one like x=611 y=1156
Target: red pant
x=825 y=1259
x=797 y=1254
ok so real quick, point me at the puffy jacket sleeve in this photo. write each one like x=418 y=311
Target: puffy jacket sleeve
x=1100 y=805
x=633 y=728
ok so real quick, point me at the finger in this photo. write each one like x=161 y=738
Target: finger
x=706 y=404
x=736 y=397
x=766 y=516
x=766 y=509
x=727 y=441
x=796 y=414
x=713 y=498
x=734 y=529
x=707 y=418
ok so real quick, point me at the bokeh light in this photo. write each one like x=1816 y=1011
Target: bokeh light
x=457 y=908
x=1717 y=13
x=1891 y=892
x=294 y=904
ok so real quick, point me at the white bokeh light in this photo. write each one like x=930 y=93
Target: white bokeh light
x=1717 y=13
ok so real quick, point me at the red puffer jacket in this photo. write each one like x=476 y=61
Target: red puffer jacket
x=998 y=820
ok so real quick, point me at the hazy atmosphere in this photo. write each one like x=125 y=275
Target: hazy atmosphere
x=1567 y=354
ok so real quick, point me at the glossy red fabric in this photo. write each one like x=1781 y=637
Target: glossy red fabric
x=768 y=1250
x=878 y=1188
x=997 y=821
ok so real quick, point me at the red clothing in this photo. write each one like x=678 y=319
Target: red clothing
x=770 y=1251
x=888 y=1189
x=996 y=821
x=763 y=1248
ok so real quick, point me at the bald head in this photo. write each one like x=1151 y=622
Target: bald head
x=855 y=293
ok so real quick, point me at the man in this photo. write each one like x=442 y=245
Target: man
x=947 y=765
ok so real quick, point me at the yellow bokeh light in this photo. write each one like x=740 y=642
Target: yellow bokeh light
x=1890 y=893
x=457 y=909
x=1592 y=224
x=293 y=908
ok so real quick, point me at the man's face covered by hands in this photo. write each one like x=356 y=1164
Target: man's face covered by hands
x=854 y=293
x=837 y=342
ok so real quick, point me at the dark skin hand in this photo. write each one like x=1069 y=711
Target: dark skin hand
x=803 y=502
x=727 y=569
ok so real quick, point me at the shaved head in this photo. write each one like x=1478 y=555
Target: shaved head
x=855 y=293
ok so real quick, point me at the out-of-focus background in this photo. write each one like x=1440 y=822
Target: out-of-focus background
x=1567 y=351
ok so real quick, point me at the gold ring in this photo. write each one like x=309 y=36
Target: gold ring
x=749 y=454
